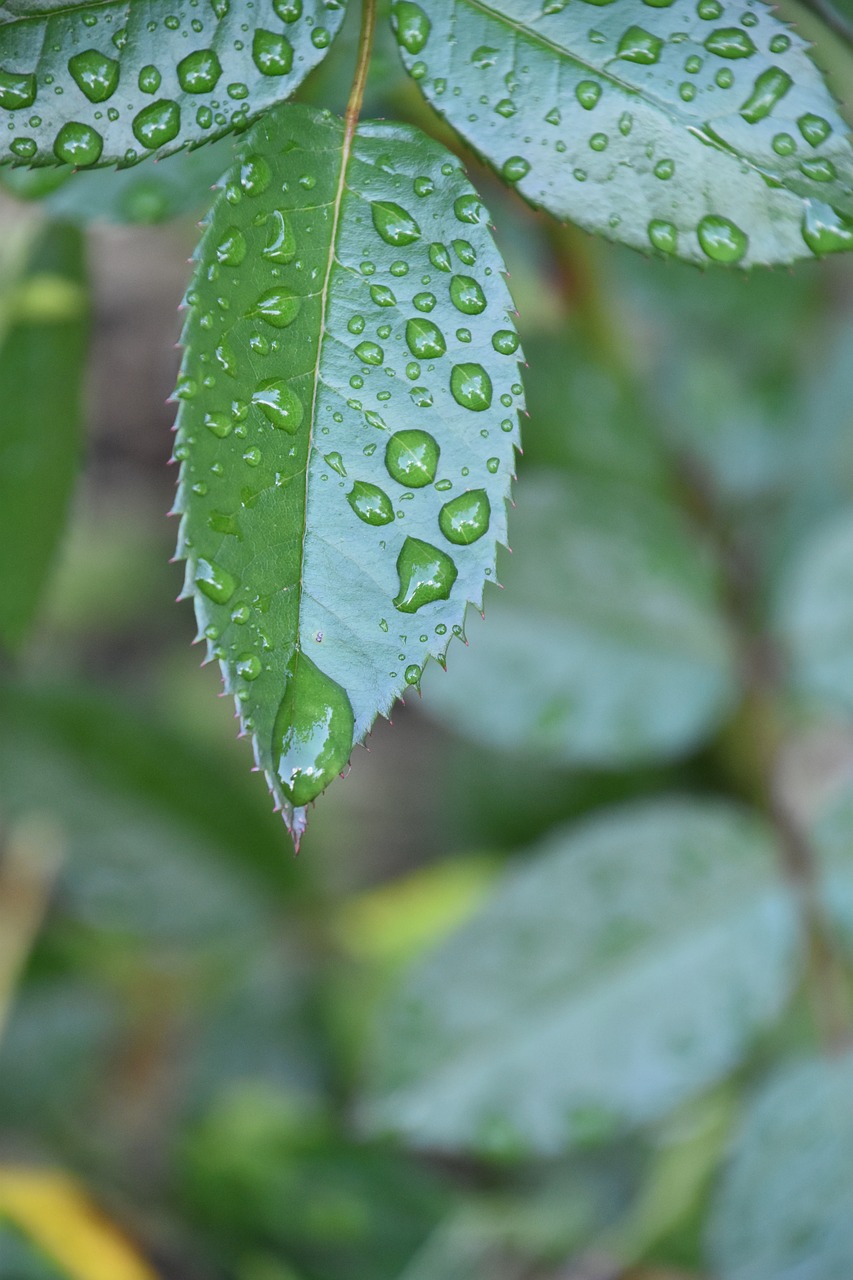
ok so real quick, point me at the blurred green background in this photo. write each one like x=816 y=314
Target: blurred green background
x=558 y=987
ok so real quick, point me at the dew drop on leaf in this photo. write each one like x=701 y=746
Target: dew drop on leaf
x=280 y=405
x=464 y=519
x=313 y=731
x=426 y=574
x=411 y=458
x=370 y=503
x=721 y=240
x=214 y=581
x=95 y=74
x=393 y=223
x=471 y=386
x=272 y=53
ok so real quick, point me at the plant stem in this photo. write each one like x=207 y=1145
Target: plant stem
x=365 y=47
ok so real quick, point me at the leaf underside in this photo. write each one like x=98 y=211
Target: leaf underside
x=349 y=411
x=702 y=131
x=114 y=82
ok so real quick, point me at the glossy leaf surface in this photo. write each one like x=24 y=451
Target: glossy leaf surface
x=625 y=966
x=43 y=341
x=785 y=1208
x=702 y=131
x=111 y=83
x=349 y=411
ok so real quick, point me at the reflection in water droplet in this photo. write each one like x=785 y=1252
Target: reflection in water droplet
x=770 y=87
x=312 y=736
x=95 y=73
x=158 y=123
x=721 y=240
x=467 y=296
x=730 y=42
x=279 y=405
x=638 y=45
x=279 y=307
x=393 y=223
x=426 y=575
x=231 y=249
x=425 y=340
x=412 y=458
x=272 y=54
x=214 y=581
x=464 y=519
x=199 y=71
x=411 y=25
x=471 y=386
x=370 y=503
x=78 y=144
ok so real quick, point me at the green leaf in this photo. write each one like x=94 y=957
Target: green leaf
x=625 y=966
x=349 y=410
x=44 y=313
x=607 y=645
x=703 y=131
x=785 y=1208
x=112 y=82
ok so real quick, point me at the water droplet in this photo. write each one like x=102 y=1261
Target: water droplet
x=687 y=91
x=272 y=54
x=288 y=10
x=214 y=581
x=465 y=252
x=769 y=88
x=425 y=339
x=637 y=45
x=249 y=666
x=598 y=142
x=426 y=575
x=587 y=93
x=784 y=144
x=471 y=386
x=355 y=324
x=95 y=73
x=505 y=341
x=663 y=235
x=411 y=26
x=281 y=243
x=709 y=10
x=279 y=307
x=467 y=296
x=780 y=44
x=393 y=224
x=825 y=230
x=238 y=90
x=439 y=257
x=725 y=78
x=370 y=503
x=25 y=148
x=506 y=108
x=231 y=249
x=370 y=352
x=468 y=209
x=17 y=89
x=412 y=674
x=199 y=71
x=484 y=57
x=158 y=123
x=279 y=405
x=515 y=169
x=313 y=732
x=721 y=240
x=412 y=458
x=149 y=79
x=218 y=423
x=424 y=301
x=492 y=466
x=336 y=462
x=819 y=169
x=814 y=129
x=382 y=296
x=78 y=144
x=553 y=116
x=399 y=268
x=730 y=42
x=464 y=519
x=255 y=175
x=421 y=397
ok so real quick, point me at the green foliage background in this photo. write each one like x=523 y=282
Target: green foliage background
x=559 y=984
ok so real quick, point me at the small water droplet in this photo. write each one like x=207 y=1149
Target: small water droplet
x=506 y=108
x=468 y=209
x=219 y=423
x=413 y=674
x=426 y=574
x=471 y=386
x=249 y=666
x=279 y=405
x=553 y=116
x=255 y=175
x=464 y=519
x=95 y=73
x=638 y=45
x=199 y=71
x=663 y=235
x=214 y=581
x=336 y=462
x=784 y=144
x=313 y=731
x=505 y=341
x=467 y=296
x=492 y=466
x=279 y=307
x=780 y=44
x=231 y=249
x=281 y=242
x=730 y=42
x=588 y=93
x=825 y=230
x=721 y=240
x=425 y=340
x=819 y=169
x=17 y=89
x=664 y=169
x=370 y=503
x=370 y=353
x=382 y=295
x=411 y=458
x=439 y=257
x=78 y=144
x=465 y=252
x=157 y=124
x=814 y=129
x=709 y=10
x=393 y=223
x=515 y=169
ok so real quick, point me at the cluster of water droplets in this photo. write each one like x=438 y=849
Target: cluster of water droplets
x=112 y=83
x=635 y=94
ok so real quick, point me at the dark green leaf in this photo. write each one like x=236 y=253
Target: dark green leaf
x=111 y=82
x=44 y=314
x=625 y=967
x=698 y=130
x=349 y=410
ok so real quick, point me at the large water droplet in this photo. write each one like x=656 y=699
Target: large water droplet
x=411 y=25
x=95 y=73
x=249 y=666
x=393 y=223
x=214 y=581
x=467 y=296
x=231 y=249
x=638 y=45
x=426 y=574
x=721 y=240
x=468 y=209
x=814 y=128
x=505 y=341
x=370 y=503
x=279 y=405
x=425 y=339
x=281 y=243
x=158 y=123
x=272 y=54
x=515 y=168
x=199 y=71
x=471 y=386
x=279 y=307
x=663 y=235
x=382 y=296
x=769 y=88
x=412 y=458
x=730 y=42
x=288 y=10
x=17 y=89
x=464 y=519
x=825 y=230
x=819 y=169
x=370 y=353
x=439 y=257
x=312 y=736
x=78 y=144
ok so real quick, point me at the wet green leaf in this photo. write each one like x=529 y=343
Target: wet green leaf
x=44 y=313
x=625 y=966
x=111 y=83
x=616 y=599
x=785 y=1208
x=349 y=402
x=701 y=131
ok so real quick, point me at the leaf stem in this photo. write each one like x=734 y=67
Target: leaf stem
x=365 y=48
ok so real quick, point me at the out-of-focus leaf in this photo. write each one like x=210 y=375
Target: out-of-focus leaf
x=703 y=133
x=785 y=1206
x=43 y=339
x=625 y=967
x=137 y=82
x=607 y=647
x=20 y=1260
x=54 y=1211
